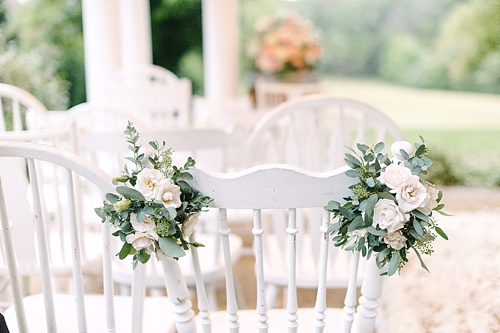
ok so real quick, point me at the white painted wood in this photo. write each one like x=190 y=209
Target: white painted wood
x=278 y=187
x=101 y=37
x=270 y=93
x=135 y=32
x=74 y=310
x=27 y=112
x=152 y=93
x=105 y=145
x=220 y=49
x=313 y=132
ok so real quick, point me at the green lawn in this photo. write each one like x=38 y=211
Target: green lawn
x=462 y=127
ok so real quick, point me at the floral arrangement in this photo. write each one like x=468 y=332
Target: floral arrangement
x=390 y=209
x=284 y=44
x=155 y=210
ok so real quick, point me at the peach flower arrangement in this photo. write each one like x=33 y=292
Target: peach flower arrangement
x=284 y=44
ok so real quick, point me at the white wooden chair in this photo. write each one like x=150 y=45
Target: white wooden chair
x=312 y=132
x=270 y=93
x=20 y=110
x=154 y=94
x=85 y=309
x=277 y=187
x=208 y=146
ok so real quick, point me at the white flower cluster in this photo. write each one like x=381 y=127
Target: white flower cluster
x=410 y=194
x=154 y=186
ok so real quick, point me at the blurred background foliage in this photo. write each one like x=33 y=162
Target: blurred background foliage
x=446 y=44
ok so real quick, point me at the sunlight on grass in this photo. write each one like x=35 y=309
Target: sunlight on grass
x=463 y=127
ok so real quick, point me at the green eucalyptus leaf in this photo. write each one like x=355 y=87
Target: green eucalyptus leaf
x=352 y=173
x=362 y=147
x=332 y=205
x=125 y=250
x=379 y=147
x=394 y=263
x=112 y=198
x=377 y=232
x=370 y=204
x=418 y=227
x=334 y=227
x=441 y=233
x=357 y=223
x=420 y=259
x=171 y=248
x=130 y=193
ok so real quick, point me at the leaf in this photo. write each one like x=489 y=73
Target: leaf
x=386 y=195
x=370 y=204
x=186 y=175
x=377 y=232
x=394 y=263
x=441 y=233
x=370 y=182
x=130 y=193
x=420 y=150
x=353 y=160
x=420 y=259
x=125 y=250
x=418 y=227
x=379 y=147
x=171 y=248
x=362 y=147
x=143 y=256
x=352 y=173
x=357 y=223
x=112 y=198
x=334 y=227
x=332 y=206
x=420 y=215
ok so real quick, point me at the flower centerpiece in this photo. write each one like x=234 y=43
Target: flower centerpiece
x=154 y=210
x=284 y=45
x=390 y=210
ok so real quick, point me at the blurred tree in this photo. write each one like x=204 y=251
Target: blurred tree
x=53 y=29
x=470 y=45
x=177 y=38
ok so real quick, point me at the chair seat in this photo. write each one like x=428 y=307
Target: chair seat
x=277 y=320
x=154 y=309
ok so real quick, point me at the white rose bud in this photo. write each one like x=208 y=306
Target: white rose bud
x=411 y=194
x=394 y=175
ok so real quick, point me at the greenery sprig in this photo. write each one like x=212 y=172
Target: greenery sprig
x=154 y=209
x=390 y=209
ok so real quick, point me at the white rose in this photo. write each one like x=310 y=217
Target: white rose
x=189 y=224
x=147 y=181
x=394 y=175
x=395 y=240
x=143 y=240
x=145 y=226
x=388 y=216
x=430 y=201
x=168 y=193
x=411 y=194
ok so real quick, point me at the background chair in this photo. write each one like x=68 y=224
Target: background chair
x=20 y=110
x=312 y=132
x=83 y=309
x=108 y=148
x=154 y=94
x=270 y=93
x=278 y=187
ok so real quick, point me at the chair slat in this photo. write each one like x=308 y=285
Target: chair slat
x=257 y=232
x=42 y=248
x=11 y=264
x=292 y=305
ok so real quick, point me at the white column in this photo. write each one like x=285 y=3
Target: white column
x=102 y=45
x=220 y=48
x=136 y=32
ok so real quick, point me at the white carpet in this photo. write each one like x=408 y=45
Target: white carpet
x=462 y=292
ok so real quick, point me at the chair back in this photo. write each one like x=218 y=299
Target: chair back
x=81 y=309
x=20 y=110
x=313 y=132
x=278 y=187
x=153 y=93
